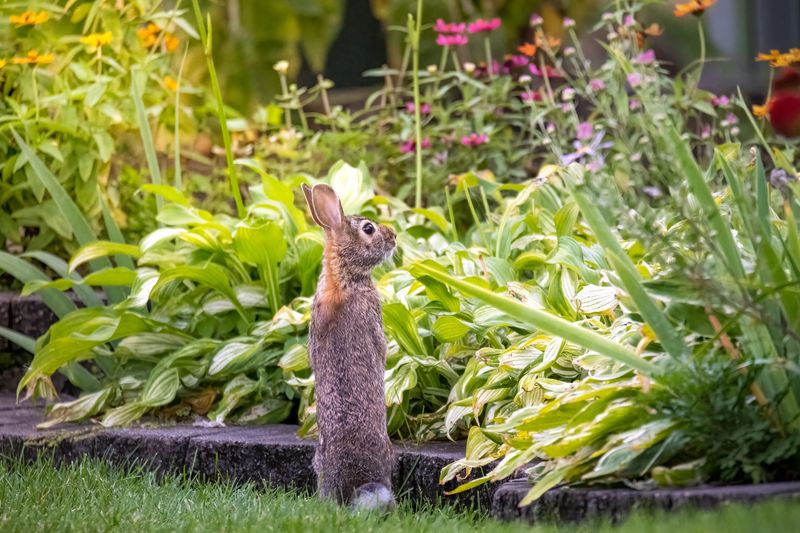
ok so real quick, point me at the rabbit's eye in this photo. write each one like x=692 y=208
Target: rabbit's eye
x=368 y=228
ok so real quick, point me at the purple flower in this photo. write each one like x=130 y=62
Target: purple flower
x=451 y=40
x=720 y=101
x=634 y=104
x=584 y=131
x=628 y=21
x=646 y=57
x=706 y=133
x=549 y=71
x=536 y=20
x=423 y=109
x=439 y=159
x=634 y=79
x=411 y=145
x=568 y=22
x=473 y=139
x=449 y=27
x=597 y=85
x=518 y=60
x=482 y=25
x=590 y=151
x=730 y=120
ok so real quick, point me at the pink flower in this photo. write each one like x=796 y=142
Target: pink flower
x=706 y=133
x=634 y=79
x=646 y=57
x=634 y=104
x=448 y=27
x=720 y=101
x=584 y=131
x=536 y=20
x=517 y=61
x=411 y=145
x=482 y=25
x=628 y=21
x=451 y=40
x=473 y=139
x=568 y=22
x=597 y=85
x=423 y=109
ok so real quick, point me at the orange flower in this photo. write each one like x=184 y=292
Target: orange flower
x=29 y=18
x=547 y=41
x=33 y=58
x=170 y=83
x=170 y=42
x=760 y=111
x=778 y=59
x=695 y=7
x=96 y=40
x=148 y=35
x=529 y=49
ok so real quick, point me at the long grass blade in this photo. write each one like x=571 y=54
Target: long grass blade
x=144 y=131
x=546 y=322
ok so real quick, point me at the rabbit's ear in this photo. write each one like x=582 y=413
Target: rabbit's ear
x=326 y=207
x=310 y=201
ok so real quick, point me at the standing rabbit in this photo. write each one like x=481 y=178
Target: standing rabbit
x=347 y=348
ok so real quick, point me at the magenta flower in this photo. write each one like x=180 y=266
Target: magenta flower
x=411 y=145
x=635 y=79
x=584 y=131
x=517 y=61
x=424 y=108
x=646 y=57
x=597 y=85
x=449 y=27
x=549 y=71
x=473 y=139
x=451 y=40
x=720 y=101
x=482 y=25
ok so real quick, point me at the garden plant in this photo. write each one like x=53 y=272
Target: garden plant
x=597 y=263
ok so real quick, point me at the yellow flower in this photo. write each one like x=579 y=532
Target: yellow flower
x=778 y=59
x=96 y=40
x=29 y=18
x=3 y=63
x=170 y=83
x=695 y=7
x=760 y=111
x=33 y=58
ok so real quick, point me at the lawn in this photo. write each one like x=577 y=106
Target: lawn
x=91 y=495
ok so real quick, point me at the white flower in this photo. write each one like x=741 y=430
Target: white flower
x=281 y=67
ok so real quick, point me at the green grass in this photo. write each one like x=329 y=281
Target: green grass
x=91 y=495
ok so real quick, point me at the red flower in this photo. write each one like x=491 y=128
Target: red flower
x=482 y=25
x=783 y=108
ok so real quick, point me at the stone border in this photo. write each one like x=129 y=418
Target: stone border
x=575 y=504
x=28 y=315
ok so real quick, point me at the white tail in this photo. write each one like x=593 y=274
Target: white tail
x=373 y=497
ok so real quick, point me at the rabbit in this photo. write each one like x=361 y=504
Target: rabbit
x=347 y=349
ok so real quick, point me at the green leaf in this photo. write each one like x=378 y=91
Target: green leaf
x=211 y=275
x=403 y=328
x=102 y=249
x=448 y=328
x=26 y=273
x=265 y=247
x=23 y=341
x=144 y=129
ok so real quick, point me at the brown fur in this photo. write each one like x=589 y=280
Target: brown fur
x=347 y=348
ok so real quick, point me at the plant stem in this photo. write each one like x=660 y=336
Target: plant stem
x=176 y=178
x=417 y=113
x=702 y=34
x=450 y=212
x=205 y=39
x=487 y=45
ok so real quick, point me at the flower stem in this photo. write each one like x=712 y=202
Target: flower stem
x=417 y=113
x=487 y=44
x=702 y=34
x=223 y=124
